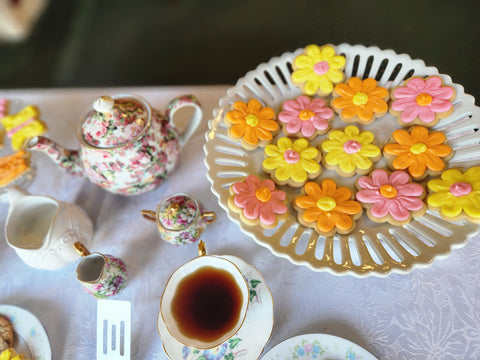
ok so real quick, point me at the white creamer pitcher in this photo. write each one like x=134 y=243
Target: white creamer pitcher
x=42 y=230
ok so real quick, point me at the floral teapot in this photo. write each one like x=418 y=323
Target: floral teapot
x=126 y=146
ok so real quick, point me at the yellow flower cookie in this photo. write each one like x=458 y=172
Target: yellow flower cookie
x=317 y=70
x=456 y=195
x=350 y=151
x=292 y=163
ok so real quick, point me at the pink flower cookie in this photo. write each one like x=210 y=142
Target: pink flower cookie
x=391 y=198
x=258 y=202
x=422 y=101
x=305 y=118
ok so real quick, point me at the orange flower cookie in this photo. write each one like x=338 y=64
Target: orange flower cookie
x=258 y=202
x=292 y=162
x=350 y=152
x=422 y=152
x=456 y=195
x=12 y=167
x=317 y=70
x=360 y=101
x=422 y=101
x=327 y=209
x=252 y=123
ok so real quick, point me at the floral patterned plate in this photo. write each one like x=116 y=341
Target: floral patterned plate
x=250 y=340
x=319 y=347
x=30 y=330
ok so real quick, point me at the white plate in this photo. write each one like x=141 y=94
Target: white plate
x=318 y=347
x=371 y=249
x=31 y=331
x=250 y=340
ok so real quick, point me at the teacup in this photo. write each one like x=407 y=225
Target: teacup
x=205 y=301
x=100 y=275
x=180 y=219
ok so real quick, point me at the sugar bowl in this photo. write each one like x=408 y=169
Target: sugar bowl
x=180 y=219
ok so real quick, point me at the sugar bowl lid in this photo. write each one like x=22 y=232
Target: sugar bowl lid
x=178 y=212
x=115 y=121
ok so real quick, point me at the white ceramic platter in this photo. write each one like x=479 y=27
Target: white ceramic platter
x=30 y=330
x=318 y=347
x=252 y=337
x=372 y=249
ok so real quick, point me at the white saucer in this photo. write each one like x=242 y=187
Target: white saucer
x=30 y=330
x=318 y=347
x=250 y=340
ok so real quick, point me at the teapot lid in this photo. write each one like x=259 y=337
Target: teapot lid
x=177 y=212
x=115 y=121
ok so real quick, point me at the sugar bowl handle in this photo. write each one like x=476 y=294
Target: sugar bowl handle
x=209 y=217
x=149 y=215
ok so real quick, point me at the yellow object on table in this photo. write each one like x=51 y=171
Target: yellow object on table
x=13 y=166
x=11 y=354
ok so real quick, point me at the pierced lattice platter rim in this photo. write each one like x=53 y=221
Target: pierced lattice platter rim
x=371 y=249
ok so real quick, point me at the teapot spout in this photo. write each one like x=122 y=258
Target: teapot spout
x=68 y=160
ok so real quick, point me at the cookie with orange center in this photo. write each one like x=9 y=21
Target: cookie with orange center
x=360 y=101
x=258 y=202
x=422 y=101
x=390 y=197
x=327 y=208
x=419 y=151
x=251 y=123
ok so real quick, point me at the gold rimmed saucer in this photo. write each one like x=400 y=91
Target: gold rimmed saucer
x=252 y=337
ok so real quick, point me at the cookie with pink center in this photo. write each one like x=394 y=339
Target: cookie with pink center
x=305 y=118
x=422 y=101
x=391 y=197
x=258 y=202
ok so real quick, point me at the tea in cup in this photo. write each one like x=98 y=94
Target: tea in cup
x=180 y=219
x=205 y=302
x=100 y=275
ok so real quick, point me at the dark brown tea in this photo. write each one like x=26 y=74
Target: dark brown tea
x=207 y=304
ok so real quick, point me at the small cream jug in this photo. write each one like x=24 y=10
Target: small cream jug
x=42 y=230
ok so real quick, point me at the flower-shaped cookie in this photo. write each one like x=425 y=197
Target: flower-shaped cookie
x=292 y=163
x=422 y=152
x=350 y=152
x=23 y=125
x=318 y=69
x=456 y=195
x=422 y=101
x=252 y=123
x=326 y=208
x=14 y=166
x=360 y=100
x=258 y=202
x=305 y=118
x=391 y=198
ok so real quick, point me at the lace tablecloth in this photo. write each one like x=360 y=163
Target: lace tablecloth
x=429 y=313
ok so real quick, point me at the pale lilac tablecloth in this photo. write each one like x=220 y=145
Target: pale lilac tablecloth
x=429 y=313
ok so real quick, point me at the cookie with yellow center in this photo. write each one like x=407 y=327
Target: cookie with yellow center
x=11 y=354
x=252 y=124
x=258 y=202
x=327 y=208
x=419 y=151
x=6 y=334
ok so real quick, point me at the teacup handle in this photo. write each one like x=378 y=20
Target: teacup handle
x=209 y=217
x=179 y=102
x=149 y=215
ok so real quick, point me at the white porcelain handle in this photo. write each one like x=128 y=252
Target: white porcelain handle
x=182 y=101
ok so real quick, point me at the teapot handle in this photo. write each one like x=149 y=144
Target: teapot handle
x=182 y=101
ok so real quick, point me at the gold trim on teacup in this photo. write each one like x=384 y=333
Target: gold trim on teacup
x=244 y=315
x=146 y=105
x=273 y=317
